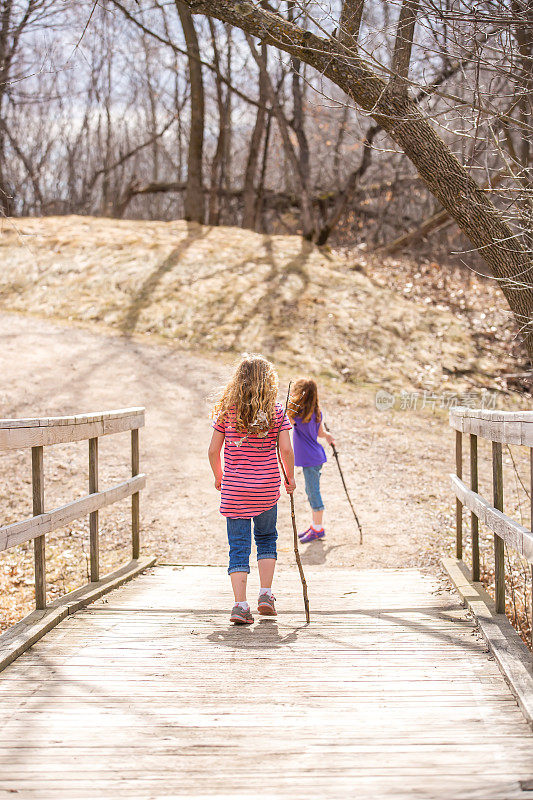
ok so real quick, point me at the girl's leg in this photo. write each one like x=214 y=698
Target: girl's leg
x=238 y=584
x=240 y=545
x=266 y=535
x=266 y=567
x=317 y=517
x=312 y=489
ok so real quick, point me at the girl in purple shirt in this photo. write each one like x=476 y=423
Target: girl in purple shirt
x=306 y=417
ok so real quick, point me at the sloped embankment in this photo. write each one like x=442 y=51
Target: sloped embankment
x=225 y=289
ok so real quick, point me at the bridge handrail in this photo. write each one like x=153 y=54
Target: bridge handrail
x=507 y=427
x=498 y=427
x=36 y=433
x=19 y=433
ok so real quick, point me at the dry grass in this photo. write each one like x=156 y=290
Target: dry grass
x=226 y=289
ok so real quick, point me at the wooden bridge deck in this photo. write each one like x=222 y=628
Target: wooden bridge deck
x=388 y=693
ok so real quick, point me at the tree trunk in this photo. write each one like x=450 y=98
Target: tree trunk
x=213 y=215
x=249 y=194
x=288 y=149
x=260 y=220
x=6 y=57
x=304 y=166
x=440 y=170
x=194 y=196
x=346 y=196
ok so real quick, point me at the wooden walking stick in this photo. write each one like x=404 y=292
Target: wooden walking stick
x=335 y=453
x=293 y=517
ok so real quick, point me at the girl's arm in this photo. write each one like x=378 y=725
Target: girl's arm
x=217 y=440
x=287 y=456
x=324 y=434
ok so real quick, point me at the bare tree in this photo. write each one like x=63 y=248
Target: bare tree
x=194 y=195
x=249 y=199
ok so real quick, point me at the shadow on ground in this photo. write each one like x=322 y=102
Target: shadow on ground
x=264 y=635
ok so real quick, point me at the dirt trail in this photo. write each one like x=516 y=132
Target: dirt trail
x=395 y=461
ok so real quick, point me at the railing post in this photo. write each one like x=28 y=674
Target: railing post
x=39 y=551
x=499 y=555
x=473 y=518
x=531 y=528
x=93 y=516
x=458 y=504
x=135 y=518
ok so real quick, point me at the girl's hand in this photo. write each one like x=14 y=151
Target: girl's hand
x=218 y=483
x=290 y=485
x=330 y=439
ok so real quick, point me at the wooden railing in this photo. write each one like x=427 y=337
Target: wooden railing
x=37 y=433
x=498 y=427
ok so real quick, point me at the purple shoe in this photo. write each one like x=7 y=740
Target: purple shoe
x=311 y=535
x=304 y=533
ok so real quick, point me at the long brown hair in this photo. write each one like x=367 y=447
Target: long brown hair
x=303 y=401
x=252 y=393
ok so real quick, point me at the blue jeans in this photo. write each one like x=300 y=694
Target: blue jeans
x=312 y=487
x=240 y=539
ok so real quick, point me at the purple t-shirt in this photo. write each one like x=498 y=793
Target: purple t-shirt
x=307 y=451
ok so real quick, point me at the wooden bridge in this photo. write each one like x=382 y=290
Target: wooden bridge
x=144 y=690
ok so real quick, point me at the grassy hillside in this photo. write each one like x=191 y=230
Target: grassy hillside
x=229 y=290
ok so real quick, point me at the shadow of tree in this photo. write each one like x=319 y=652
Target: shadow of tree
x=272 y=306
x=143 y=297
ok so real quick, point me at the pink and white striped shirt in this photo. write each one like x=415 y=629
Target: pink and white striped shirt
x=251 y=478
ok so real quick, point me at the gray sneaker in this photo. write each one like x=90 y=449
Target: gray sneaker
x=241 y=617
x=265 y=605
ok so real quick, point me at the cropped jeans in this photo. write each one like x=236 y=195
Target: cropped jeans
x=240 y=539
x=312 y=487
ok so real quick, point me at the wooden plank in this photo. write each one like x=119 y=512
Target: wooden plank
x=513 y=534
x=21 y=636
x=511 y=654
x=77 y=419
x=94 y=545
x=135 y=513
x=503 y=427
x=15 y=438
x=389 y=693
x=39 y=542
x=27 y=530
x=462 y=412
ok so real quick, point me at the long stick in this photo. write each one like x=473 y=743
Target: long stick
x=335 y=453
x=293 y=518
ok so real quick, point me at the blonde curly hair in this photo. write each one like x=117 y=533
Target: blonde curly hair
x=252 y=393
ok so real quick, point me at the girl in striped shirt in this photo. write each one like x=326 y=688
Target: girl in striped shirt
x=247 y=421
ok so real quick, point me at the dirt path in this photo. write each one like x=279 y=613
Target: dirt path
x=396 y=461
